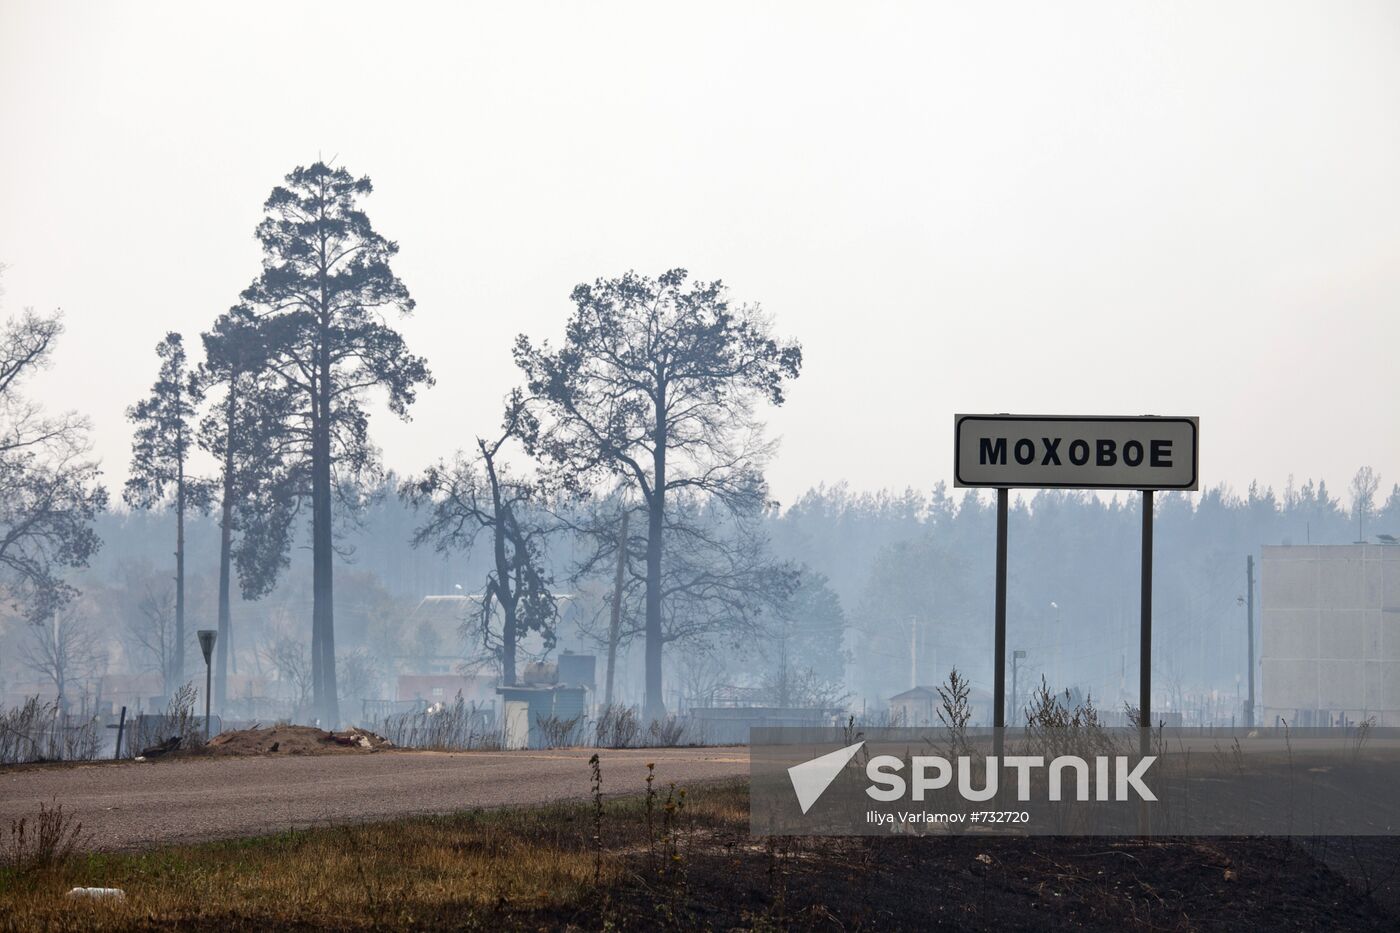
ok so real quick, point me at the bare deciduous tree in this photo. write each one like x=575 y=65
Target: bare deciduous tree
x=701 y=674
x=288 y=657
x=804 y=647
x=152 y=637
x=1363 y=497
x=63 y=649
x=471 y=496
x=48 y=480
x=720 y=583
x=656 y=384
x=793 y=686
x=358 y=677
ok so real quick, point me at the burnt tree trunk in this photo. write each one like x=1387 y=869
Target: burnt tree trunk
x=179 y=577
x=655 y=702
x=324 y=697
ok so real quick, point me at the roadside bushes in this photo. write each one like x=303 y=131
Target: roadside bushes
x=178 y=727
x=460 y=726
x=617 y=727
x=1058 y=725
x=44 y=842
x=561 y=733
x=457 y=726
x=38 y=730
x=666 y=733
x=621 y=727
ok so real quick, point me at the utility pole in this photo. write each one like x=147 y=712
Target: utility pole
x=615 y=623
x=1249 y=603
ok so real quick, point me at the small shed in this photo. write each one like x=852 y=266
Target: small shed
x=915 y=707
x=919 y=707
x=529 y=708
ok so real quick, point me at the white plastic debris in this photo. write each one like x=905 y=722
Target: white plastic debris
x=98 y=894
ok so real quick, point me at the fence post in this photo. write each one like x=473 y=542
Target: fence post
x=121 y=727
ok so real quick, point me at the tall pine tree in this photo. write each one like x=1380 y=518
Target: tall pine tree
x=324 y=295
x=159 y=459
x=245 y=431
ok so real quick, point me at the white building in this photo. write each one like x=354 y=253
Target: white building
x=1330 y=635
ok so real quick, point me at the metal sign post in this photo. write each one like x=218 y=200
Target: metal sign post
x=1007 y=452
x=207 y=637
x=999 y=663
x=1145 y=637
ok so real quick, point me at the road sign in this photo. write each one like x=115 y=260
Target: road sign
x=1058 y=452
x=206 y=642
x=1147 y=453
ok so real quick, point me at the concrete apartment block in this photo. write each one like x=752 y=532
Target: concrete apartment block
x=1329 y=634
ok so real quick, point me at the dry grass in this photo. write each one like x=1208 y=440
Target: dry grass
x=504 y=869
x=662 y=861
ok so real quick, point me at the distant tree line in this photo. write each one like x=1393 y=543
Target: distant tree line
x=627 y=470
x=870 y=565
x=914 y=572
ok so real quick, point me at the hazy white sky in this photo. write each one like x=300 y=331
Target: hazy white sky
x=1073 y=207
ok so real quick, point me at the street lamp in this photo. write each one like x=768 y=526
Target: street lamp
x=206 y=644
x=1248 y=602
x=1059 y=636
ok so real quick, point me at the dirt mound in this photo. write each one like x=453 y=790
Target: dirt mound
x=294 y=740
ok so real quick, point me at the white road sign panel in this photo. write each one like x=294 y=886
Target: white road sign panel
x=1091 y=452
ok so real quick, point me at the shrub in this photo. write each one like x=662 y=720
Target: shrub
x=44 y=843
x=455 y=727
x=179 y=721
x=560 y=733
x=38 y=730
x=667 y=732
x=617 y=727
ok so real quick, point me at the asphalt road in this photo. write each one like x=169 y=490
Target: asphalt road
x=131 y=805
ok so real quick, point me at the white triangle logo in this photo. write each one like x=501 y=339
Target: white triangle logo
x=811 y=778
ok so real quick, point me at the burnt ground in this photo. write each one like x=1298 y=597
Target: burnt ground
x=1017 y=884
